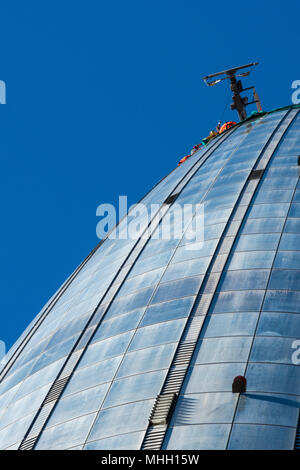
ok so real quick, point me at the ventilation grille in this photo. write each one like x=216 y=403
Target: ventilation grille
x=163 y=408
x=177 y=372
x=184 y=354
x=297 y=440
x=40 y=421
x=256 y=174
x=171 y=198
x=55 y=390
x=28 y=444
x=154 y=438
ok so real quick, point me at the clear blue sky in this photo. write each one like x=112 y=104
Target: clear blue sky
x=104 y=98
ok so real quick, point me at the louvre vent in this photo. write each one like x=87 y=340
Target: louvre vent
x=40 y=421
x=211 y=283
x=256 y=174
x=28 y=444
x=184 y=353
x=160 y=416
x=163 y=408
x=297 y=440
x=55 y=390
x=219 y=263
x=154 y=438
x=171 y=199
x=204 y=303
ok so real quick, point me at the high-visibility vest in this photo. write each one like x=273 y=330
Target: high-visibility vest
x=226 y=126
x=184 y=159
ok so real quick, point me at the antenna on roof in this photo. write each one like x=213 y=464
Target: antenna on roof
x=239 y=103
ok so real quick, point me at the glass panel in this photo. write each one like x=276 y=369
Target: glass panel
x=290 y=144
x=157 y=334
x=273 y=196
x=251 y=260
x=134 y=388
x=274 y=409
x=93 y=375
x=104 y=349
x=268 y=210
x=297 y=194
x=15 y=432
x=287 y=161
x=285 y=279
x=278 y=324
x=150 y=263
x=33 y=352
x=67 y=434
x=79 y=404
x=292 y=226
x=261 y=241
x=201 y=437
x=23 y=407
x=220 y=215
x=181 y=288
x=290 y=241
x=229 y=324
x=186 y=268
x=253 y=437
x=263 y=225
x=145 y=360
x=195 y=250
x=212 y=377
x=282 y=182
x=178 y=308
x=279 y=350
x=118 y=325
x=294 y=210
x=15 y=378
x=213 y=231
x=282 y=301
x=273 y=378
x=122 y=419
x=143 y=280
x=228 y=349
x=131 y=302
x=6 y=398
x=155 y=246
x=287 y=259
x=238 y=301
x=54 y=354
x=204 y=408
x=244 y=280
x=131 y=441
x=39 y=379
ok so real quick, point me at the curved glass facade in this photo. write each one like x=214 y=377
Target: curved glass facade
x=87 y=371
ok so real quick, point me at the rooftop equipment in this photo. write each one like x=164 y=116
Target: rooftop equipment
x=238 y=102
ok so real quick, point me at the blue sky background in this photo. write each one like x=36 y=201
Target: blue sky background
x=104 y=98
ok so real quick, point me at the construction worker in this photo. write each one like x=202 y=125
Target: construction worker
x=184 y=159
x=211 y=135
x=226 y=126
x=195 y=148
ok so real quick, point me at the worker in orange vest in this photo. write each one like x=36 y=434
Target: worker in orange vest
x=184 y=159
x=195 y=148
x=226 y=126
